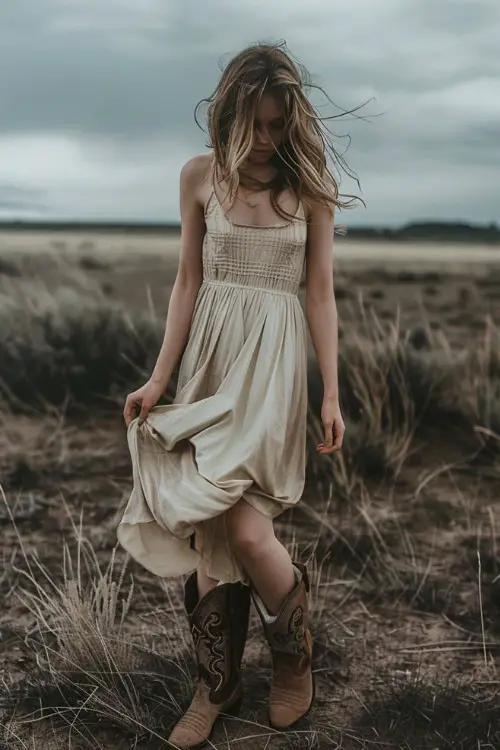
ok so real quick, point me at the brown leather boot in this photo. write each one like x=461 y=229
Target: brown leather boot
x=292 y=687
x=219 y=624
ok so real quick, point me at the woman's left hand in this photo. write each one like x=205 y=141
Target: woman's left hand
x=333 y=425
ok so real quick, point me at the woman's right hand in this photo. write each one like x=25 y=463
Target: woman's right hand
x=141 y=401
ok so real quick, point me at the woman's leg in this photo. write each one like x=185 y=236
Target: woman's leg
x=265 y=559
x=285 y=595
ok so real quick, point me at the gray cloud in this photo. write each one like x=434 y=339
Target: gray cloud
x=18 y=201
x=82 y=81
x=97 y=98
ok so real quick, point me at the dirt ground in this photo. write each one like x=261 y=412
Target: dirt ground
x=384 y=650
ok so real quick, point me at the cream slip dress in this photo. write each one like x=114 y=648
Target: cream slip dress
x=237 y=426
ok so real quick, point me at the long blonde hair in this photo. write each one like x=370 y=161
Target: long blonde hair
x=301 y=159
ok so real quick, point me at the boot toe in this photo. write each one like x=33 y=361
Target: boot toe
x=282 y=716
x=288 y=705
x=187 y=736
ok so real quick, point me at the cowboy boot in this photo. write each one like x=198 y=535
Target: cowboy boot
x=288 y=635
x=219 y=624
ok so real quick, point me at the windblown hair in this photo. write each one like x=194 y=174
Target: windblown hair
x=301 y=159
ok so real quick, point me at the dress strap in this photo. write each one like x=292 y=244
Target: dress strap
x=211 y=202
x=301 y=211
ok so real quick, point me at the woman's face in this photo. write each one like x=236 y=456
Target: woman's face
x=269 y=128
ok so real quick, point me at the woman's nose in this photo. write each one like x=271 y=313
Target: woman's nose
x=262 y=136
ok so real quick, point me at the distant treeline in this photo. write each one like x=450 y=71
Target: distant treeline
x=430 y=231
x=425 y=231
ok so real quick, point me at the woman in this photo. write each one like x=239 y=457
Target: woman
x=212 y=470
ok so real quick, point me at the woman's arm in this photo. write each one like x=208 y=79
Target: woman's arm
x=189 y=273
x=321 y=312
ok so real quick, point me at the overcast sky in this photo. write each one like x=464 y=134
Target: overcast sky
x=97 y=98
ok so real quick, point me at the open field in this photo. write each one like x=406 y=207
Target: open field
x=402 y=530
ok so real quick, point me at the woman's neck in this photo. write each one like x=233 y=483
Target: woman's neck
x=254 y=175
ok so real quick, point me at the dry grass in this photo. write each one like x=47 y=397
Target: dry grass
x=411 y=714
x=91 y=681
x=75 y=348
x=90 y=678
x=400 y=532
x=89 y=673
x=71 y=347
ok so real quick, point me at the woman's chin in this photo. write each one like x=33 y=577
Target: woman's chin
x=260 y=157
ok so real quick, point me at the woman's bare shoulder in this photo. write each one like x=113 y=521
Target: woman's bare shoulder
x=197 y=170
x=317 y=210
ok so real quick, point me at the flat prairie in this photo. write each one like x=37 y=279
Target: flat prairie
x=401 y=530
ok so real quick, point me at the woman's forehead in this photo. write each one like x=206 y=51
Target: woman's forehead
x=269 y=108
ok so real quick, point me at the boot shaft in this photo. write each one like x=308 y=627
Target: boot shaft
x=288 y=632
x=219 y=625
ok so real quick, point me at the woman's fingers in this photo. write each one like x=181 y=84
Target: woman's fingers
x=129 y=410
x=145 y=409
x=333 y=440
x=328 y=434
